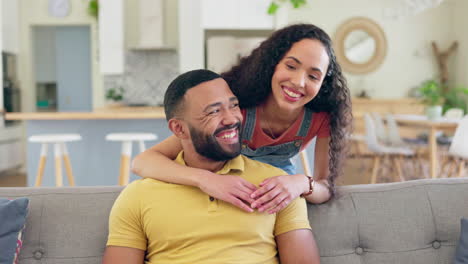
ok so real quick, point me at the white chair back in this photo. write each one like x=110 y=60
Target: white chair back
x=454 y=113
x=380 y=128
x=459 y=146
x=393 y=131
x=371 y=134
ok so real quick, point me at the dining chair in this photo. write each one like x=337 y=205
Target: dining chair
x=380 y=128
x=382 y=152
x=395 y=139
x=458 y=150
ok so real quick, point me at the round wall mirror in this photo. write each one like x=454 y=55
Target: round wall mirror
x=360 y=45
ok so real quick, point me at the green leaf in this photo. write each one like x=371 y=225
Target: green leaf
x=273 y=8
x=298 y=3
x=93 y=8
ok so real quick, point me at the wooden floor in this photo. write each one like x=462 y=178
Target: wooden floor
x=12 y=178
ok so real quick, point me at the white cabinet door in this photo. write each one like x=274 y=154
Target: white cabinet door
x=236 y=14
x=219 y=14
x=111 y=36
x=151 y=24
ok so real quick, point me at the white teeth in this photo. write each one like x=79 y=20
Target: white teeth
x=295 y=95
x=231 y=135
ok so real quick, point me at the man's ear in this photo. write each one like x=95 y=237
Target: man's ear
x=178 y=128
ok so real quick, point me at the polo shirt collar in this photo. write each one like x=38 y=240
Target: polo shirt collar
x=235 y=164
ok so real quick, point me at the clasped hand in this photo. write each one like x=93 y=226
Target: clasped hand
x=272 y=195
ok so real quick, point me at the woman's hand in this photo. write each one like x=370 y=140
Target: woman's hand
x=277 y=192
x=232 y=189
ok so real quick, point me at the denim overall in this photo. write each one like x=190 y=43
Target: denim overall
x=278 y=155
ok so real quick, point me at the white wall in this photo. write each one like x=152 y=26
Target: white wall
x=460 y=30
x=409 y=59
x=35 y=13
x=10 y=22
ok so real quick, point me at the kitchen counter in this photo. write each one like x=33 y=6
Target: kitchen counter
x=101 y=113
x=95 y=160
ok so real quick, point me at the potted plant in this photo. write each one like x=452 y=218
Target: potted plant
x=456 y=98
x=114 y=96
x=433 y=97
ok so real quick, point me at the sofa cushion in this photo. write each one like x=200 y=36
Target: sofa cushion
x=12 y=218
x=461 y=254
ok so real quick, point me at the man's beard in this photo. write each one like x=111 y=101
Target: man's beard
x=208 y=146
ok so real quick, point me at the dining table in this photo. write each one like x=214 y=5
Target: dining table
x=433 y=126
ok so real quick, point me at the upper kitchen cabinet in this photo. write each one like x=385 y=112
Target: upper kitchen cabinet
x=111 y=36
x=149 y=25
x=10 y=26
x=239 y=14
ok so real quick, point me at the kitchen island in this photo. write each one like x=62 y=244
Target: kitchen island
x=95 y=161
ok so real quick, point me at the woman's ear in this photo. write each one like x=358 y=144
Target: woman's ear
x=178 y=128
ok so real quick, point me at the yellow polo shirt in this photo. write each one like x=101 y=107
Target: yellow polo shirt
x=181 y=224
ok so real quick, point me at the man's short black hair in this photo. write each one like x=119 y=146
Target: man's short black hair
x=174 y=95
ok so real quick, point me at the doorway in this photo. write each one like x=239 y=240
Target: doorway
x=62 y=68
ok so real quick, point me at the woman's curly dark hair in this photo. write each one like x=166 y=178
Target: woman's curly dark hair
x=250 y=81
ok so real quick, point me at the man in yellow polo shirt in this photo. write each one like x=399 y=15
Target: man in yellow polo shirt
x=157 y=222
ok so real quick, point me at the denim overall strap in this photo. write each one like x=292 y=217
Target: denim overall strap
x=249 y=124
x=305 y=124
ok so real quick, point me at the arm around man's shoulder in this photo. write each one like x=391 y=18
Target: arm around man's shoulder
x=127 y=241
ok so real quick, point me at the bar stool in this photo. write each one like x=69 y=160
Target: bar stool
x=60 y=150
x=126 y=153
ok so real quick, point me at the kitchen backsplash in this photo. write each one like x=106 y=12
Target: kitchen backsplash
x=147 y=75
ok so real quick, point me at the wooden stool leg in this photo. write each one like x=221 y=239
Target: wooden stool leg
x=375 y=169
x=142 y=145
x=461 y=169
x=58 y=165
x=125 y=162
x=68 y=167
x=42 y=162
x=305 y=163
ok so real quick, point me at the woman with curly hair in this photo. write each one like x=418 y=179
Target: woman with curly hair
x=290 y=90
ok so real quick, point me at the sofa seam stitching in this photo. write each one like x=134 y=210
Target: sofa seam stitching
x=358 y=225
x=433 y=217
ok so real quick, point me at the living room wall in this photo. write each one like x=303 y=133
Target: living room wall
x=460 y=24
x=409 y=59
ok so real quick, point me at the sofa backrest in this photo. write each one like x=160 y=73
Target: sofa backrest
x=409 y=222
x=65 y=225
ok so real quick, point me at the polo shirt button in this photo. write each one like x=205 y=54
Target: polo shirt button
x=211 y=198
x=297 y=143
x=38 y=255
x=244 y=146
x=436 y=244
x=359 y=250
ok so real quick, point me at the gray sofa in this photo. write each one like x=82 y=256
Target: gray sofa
x=410 y=222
